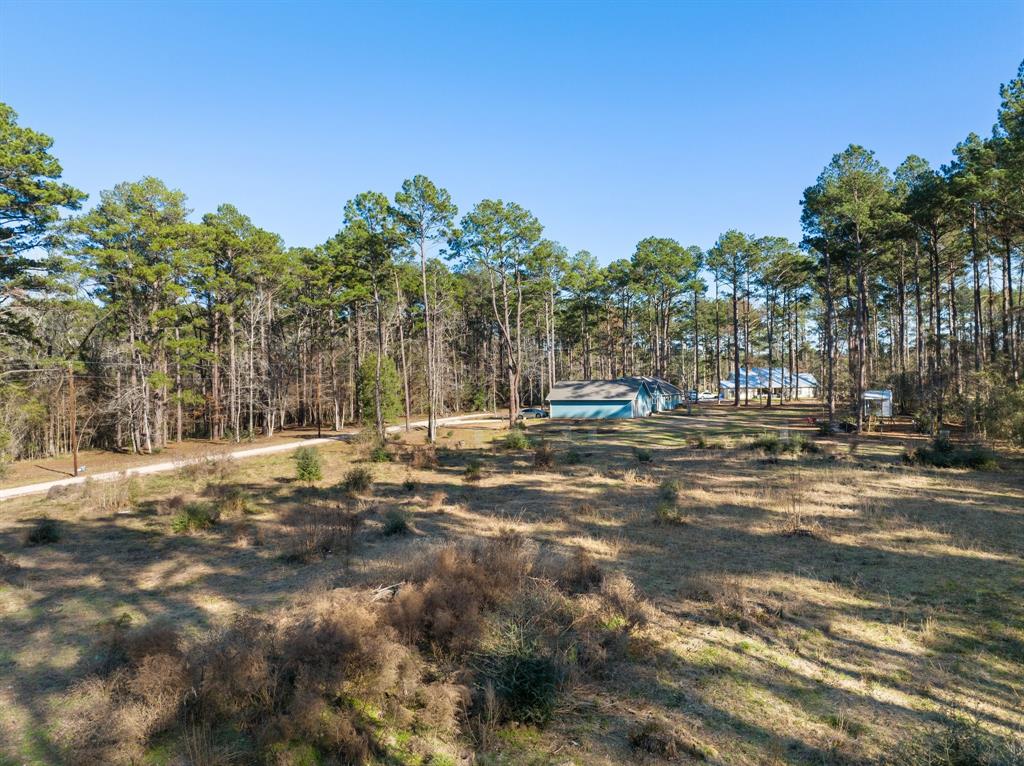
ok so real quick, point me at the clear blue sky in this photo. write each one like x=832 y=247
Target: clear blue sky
x=611 y=122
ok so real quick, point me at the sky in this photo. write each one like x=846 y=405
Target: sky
x=611 y=122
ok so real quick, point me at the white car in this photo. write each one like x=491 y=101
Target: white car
x=706 y=396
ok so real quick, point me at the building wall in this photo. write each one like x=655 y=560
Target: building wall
x=592 y=409
x=645 y=402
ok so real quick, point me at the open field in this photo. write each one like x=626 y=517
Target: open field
x=833 y=606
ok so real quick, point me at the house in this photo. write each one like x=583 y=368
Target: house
x=778 y=379
x=666 y=396
x=611 y=399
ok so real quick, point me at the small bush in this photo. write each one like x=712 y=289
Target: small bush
x=661 y=740
x=358 y=479
x=572 y=457
x=643 y=455
x=942 y=453
x=424 y=457
x=773 y=445
x=543 y=456
x=409 y=484
x=474 y=471
x=308 y=465
x=380 y=454
x=193 y=518
x=667 y=512
x=396 y=522
x=670 y=489
x=319 y=530
x=45 y=531
x=524 y=679
x=233 y=501
x=217 y=466
x=581 y=573
x=516 y=440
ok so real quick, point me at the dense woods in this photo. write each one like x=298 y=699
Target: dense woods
x=131 y=324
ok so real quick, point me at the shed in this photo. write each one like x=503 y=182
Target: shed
x=878 y=403
x=609 y=399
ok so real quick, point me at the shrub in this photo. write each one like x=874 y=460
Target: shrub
x=669 y=490
x=543 y=455
x=396 y=522
x=661 y=740
x=773 y=445
x=572 y=456
x=217 y=466
x=581 y=573
x=319 y=530
x=357 y=479
x=667 y=512
x=119 y=495
x=474 y=471
x=409 y=484
x=308 y=466
x=451 y=588
x=424 y=457
x=524 y=679
x=643 y=455
x=45 y=531
x=942 y=453
x=380 y=454
x=193 y=518
x=516 y=440
x=233 y=500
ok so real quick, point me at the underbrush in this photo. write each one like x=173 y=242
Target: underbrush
x=477 y=637
x=543 y=456
x=194 y=517
x=358 y=479
x=795 y=444
x=516 y=440
x=214 y=466
x=321 y=529
x=942 y=453
x=960 y=742
x=44 y=531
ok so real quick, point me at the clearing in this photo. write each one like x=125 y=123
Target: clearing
x=828 y=606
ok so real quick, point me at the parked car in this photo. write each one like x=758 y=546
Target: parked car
x=707 y=396
x=532 y=412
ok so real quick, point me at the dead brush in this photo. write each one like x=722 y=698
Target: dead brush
x=795 y=523
x=424 y=457
x=662 y=740
x=543 y=456
x=321 y=529
x=118 y=496
x=728 y=603
x=443 y=607
x=271 y=680
x=214 y=466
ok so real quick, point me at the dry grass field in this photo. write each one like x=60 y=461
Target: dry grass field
x=633 y=592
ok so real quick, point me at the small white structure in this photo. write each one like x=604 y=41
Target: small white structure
x=878 y=403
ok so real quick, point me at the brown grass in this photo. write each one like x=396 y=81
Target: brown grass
x=899 y=612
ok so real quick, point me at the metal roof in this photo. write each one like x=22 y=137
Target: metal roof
x=779 y=376
x=589 y=390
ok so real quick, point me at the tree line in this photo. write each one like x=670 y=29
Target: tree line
x=131 y=324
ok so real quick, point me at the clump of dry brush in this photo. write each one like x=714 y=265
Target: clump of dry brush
x=476 y=636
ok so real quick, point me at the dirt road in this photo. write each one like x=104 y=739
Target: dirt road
x=170 y=465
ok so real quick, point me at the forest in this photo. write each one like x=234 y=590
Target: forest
x=127 y=323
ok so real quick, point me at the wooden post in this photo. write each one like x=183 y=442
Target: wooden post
x=74 y=420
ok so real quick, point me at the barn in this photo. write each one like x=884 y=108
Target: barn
x=602 y=399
